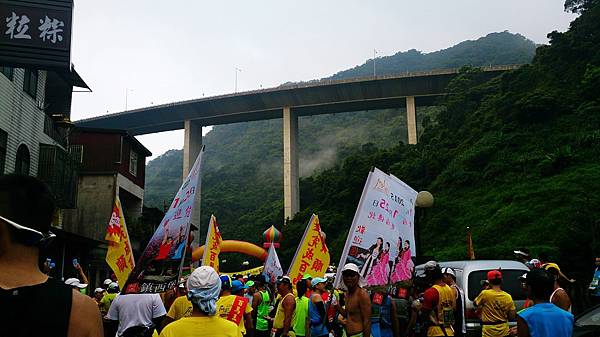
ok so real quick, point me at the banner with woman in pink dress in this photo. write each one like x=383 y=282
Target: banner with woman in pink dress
x=385 y=213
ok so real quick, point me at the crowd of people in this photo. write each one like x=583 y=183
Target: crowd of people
x=208 y=304
x=250 y=306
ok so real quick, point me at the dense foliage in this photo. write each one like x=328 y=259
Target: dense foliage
x=515 y=158
x=495 y=48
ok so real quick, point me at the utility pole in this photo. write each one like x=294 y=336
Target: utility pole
x=374 y=69
x=126 y=92
x=236 y=74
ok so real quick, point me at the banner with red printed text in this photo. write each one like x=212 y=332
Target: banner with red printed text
x=312 y=255
x=382 y=238
x=159 y=267
x=212 y=245
x=119 y=255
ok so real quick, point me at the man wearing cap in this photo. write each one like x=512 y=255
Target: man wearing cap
x=439 y=304
x=301 y=323
x=543 y=319
x=249 y=293
x=98 y=294
x=522 y=254
x=558 y=296
x=204 y=287
x=75 y=283
x=37 y=305
x=316 y=308
x=111 y=292
x=261 y=302
x=460 y=327
x=357 y=312
x=523 y=281
x=308 y=279
x=234 y=307
x=284 y=315
x=497 y=307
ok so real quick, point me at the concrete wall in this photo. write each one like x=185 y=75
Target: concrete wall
x=95 y=201
x=21 y=118
x=131 y=196
x=94 y=206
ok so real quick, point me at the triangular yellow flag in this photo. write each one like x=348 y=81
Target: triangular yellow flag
x=312 y=255
x=212 y=247
x=119 y=255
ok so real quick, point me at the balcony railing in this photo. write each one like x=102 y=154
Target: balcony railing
x=60 y=171
x=52 y=130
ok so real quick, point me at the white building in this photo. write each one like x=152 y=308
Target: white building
x=34 y=123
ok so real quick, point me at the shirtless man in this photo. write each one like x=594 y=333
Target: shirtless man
x=559 y=296
x=38 y=305
x=358 y=304
x=285 y=309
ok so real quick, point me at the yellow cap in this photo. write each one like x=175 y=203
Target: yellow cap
x=551 y=265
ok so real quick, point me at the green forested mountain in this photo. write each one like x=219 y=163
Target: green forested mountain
x=516 y=158
x=242 y=179
x=495 y=48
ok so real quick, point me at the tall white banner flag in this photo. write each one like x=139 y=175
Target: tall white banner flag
x=272 y=266
x=159 y=267
x=381 y=240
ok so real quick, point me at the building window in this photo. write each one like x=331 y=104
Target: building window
x=23 y=159
x=3 y=141
x=133 y=162
x=7 y=71
x=76 y=152
x=30 y=82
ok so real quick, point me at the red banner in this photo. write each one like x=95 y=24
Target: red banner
x=237 y=310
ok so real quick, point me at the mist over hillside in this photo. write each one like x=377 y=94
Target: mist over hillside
x=243 y=168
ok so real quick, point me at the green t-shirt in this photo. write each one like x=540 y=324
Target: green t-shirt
x=106 y=301
x=301 y=315
x=262 y=311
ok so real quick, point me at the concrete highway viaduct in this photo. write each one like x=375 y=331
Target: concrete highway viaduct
x=289 y=102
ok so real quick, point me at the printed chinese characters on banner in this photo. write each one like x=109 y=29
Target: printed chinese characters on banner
x=119 y=255
x=381 y=238
x=159 y=267
x=312 y=255
x=212 y=247
x=272 y=268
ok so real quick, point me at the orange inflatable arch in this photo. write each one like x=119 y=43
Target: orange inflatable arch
x=234 y=246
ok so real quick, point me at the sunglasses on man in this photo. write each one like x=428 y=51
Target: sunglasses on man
x=29 y=236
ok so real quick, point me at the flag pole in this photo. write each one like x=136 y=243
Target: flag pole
x=470 y=249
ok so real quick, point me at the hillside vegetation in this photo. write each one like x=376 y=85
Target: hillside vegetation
x=243 y=183
x=516 y=158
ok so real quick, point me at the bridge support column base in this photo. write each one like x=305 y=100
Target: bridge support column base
x=192 y=145
x=291 y=189
x=411 y=120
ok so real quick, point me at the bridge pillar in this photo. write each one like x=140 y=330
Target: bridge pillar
x=411 y=119
x=192 y=145
x=291 y=189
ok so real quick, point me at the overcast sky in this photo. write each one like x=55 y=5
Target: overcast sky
x=157 y=52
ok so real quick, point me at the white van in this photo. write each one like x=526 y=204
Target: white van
x=469 y=276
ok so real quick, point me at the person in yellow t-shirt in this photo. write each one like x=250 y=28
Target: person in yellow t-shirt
x=204 y=287
x=497 y=307
x=439 y=304
x=232 y=294
x=181 y=307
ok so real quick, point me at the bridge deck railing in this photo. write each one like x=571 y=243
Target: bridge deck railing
x=329 y=81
